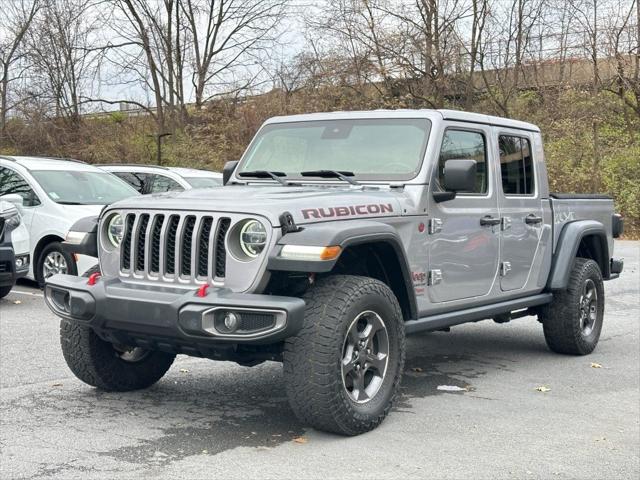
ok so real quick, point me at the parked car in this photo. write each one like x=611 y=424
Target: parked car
x=14 y=247
x=52 y=194
x=334 y=237
x=154 y=179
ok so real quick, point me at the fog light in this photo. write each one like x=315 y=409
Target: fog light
x=19 y=262
x=231 y=321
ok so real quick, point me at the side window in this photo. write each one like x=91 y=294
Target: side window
x=463 y=144
x=136 y=180
x=160 y=183
x=12 y=183
x=516 y=165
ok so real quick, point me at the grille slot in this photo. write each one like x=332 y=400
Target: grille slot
x=174 y=247
x=172 y=232
x=203 y=246
x=187 y=245
x=126 y=242
x=221 y=251
x=141 y=241
x=158 y=221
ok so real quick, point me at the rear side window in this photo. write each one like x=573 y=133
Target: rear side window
x=135 y=179
x=160 y=183
x=460 y=145
x=516 y=165
x=12 y=183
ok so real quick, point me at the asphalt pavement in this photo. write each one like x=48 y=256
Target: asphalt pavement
x=208 y=419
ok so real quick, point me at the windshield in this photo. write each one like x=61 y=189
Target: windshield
x=373 y=149
x=82 y=188
x=204 y=182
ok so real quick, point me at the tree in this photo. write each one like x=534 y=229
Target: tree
x=15 y=21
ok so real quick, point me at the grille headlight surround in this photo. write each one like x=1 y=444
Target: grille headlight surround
x=115 y=230
x=252 y=238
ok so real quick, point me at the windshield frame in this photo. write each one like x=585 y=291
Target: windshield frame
x=359 y=177
x=61 y=201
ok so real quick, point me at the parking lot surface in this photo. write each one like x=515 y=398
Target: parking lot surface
x=521 y=411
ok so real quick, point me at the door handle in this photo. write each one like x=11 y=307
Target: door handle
x=532 y=219
x=489 y=220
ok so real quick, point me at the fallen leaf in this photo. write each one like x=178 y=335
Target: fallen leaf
x=56 y=384
x=451 y=388
x=184 y=370
x=595 y=365
x=300 y=440
x=417 y=369
x=205 y=451
x=17 y=302
x=543 y=389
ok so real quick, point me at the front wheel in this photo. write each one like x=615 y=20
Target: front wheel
x=573 y=321
x=343 y=369
x=54 y=260
x=108 y=366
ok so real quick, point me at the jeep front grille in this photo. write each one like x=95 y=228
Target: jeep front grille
x=174 y=247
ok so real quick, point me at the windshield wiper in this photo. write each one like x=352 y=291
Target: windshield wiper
x=64 y=202
x=342 y=175
x=265 y=174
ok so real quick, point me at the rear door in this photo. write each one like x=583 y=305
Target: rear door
x=520 y=208
x=464 y=232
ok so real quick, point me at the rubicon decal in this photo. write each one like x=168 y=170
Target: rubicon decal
x=350 y=211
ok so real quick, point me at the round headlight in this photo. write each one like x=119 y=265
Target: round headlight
x=115 y=230
x=253 y=238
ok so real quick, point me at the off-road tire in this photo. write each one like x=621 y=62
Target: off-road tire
x=312 y=358
x=561 y=319
x=4 y=291
x=53 y=247
x=97 y=363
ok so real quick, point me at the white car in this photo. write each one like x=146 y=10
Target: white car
x=52 y=194
x=154 y=179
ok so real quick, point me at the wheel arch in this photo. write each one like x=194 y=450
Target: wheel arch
x=42 y=243
x=369 y=248
x=584 y=238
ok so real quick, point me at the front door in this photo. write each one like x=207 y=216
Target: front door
x=520 y=207
x=464 y=232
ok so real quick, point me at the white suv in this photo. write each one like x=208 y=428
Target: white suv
x=155 y=179
x=54 y=195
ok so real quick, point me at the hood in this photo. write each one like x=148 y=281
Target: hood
x=307 y=204
x=76 y=212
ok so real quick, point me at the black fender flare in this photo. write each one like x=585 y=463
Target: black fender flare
x=358 y=232
x=89 y=244
x=569 y=241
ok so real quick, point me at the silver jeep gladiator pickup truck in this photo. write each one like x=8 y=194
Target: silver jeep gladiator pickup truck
x=336 y=235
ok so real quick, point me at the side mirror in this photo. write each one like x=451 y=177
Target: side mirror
x=14 y=198
x=227 y=170
x=459 y=176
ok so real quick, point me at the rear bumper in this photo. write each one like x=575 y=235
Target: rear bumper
x=168 y=318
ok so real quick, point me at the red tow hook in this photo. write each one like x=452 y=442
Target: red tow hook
x=202 y=291
x=93 y=278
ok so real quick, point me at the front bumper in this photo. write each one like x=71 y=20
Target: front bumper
x=167 y=318
x=8 y=271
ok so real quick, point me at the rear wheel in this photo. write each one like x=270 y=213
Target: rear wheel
x=573 y=322
x=343 y=369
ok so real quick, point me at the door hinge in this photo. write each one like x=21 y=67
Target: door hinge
x=435 y=277
x=506 y=223
x=505 y=268
x=435 y=225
